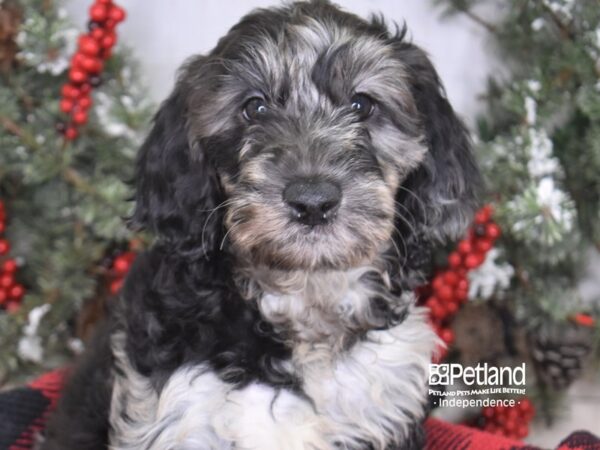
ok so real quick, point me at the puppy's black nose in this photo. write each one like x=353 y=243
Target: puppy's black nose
x=312 y=201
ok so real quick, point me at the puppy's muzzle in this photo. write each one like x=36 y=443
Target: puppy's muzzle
x=312 y=201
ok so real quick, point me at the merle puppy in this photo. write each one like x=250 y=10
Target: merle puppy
x=295 y=179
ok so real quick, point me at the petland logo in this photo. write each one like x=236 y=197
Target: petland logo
x=481 y=375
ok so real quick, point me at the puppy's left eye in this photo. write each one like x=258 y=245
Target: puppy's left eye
x=361 y=105
x=255 y=108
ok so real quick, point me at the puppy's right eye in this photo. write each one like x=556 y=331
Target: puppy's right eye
x=255 y=108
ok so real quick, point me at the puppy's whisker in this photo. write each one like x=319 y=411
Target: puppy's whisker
x=212 y=212
x=400 y=256
x=411 y=226
x=233 y=225
x=412 y=216
x=419 y=201
x=219 y=206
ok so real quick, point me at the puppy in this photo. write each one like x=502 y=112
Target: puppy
x=296 y=179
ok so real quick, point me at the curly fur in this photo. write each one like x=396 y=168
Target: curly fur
x=241 y=328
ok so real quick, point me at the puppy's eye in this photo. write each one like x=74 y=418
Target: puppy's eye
x=255 y=108
x=361 y=105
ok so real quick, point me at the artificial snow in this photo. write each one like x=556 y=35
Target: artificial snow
x=541 y=162
x=30 y=344
x=530 y=110
x=553 y=200
x=490 y=277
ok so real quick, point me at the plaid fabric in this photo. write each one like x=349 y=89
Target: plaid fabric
x=23 y=413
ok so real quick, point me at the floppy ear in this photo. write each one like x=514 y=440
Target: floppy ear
x=176 y=185
x=447 y=182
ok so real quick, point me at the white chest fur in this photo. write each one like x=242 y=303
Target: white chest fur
x=372 y=392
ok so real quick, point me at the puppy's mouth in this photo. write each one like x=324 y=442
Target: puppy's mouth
x=270 y=237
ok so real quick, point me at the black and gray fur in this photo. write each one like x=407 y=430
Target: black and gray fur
x=246 y=325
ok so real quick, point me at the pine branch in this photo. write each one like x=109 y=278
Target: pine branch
x=564 y=29
x=12 y=127
x=466 y=9
x=479 y=20
x=73 y=177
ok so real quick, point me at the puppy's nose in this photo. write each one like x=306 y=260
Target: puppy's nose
x=312 y=201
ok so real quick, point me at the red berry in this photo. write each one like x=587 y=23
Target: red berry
x=85 y=88
x=66 y=105
x=436 y=309
x=484 y=214
x=2 y=226
x=77 y=75
x=97 y=34
x=525 y=405
x=98 y=12
x=484 y=245
x=464 y=247
x=6 y=281
x=90 y=64
x=88 y=45
x=106 y=54
x=454 y=259
x=121 y=265
x=80 y=117
x=4 y=246
x=117 y=13
x=510 y=425
x=512 y=413
x=116 y=285
x=461 y=295
x=3 y=296
x=473 y=260
x=10 y=266
x=110 y=25
x=16 y=292
x=70 y=91
x=445 y=293
x=437 y=282
x=109 y=41
x=492 y=231
x=71 y=133
x=447 y=336
x=522 y=431
x=451 y=308
x=84 y=102
x=77 y=59
x=451 y=278
x=583 y=319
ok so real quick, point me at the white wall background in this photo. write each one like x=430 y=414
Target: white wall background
x=163 y=33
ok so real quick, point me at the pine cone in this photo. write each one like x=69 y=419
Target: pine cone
x=478 y=334
x=10 y=19
x=559 y=351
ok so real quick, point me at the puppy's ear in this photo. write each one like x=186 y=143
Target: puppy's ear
x=447 y=182
x=176 y=185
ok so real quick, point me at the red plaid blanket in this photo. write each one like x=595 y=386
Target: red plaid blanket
x=23 y=413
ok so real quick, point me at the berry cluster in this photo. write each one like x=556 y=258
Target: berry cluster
x=449 y=288
x=11 y=292
x=86 y=65
x=118 y=270
x=510 y=421
x=583 y=319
